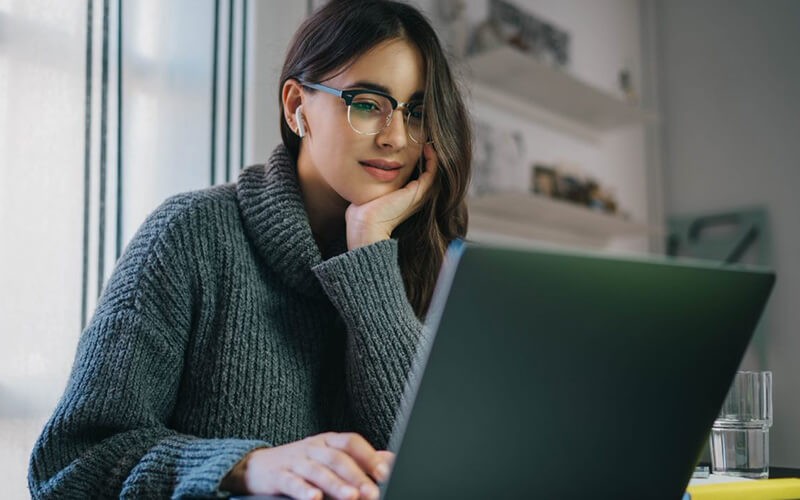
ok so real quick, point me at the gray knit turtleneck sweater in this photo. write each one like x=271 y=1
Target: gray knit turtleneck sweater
x=221 y=330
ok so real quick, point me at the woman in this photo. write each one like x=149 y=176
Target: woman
x=257 y=337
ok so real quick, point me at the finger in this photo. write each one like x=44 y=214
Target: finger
x=387 y=457
x=289 y=483
x=426 y=177
x=345 y=467
x=418 y=187
x=358 y=448
x=431 y=158
x=326 y=480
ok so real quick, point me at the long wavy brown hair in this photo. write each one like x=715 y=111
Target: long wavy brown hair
x=330 y=40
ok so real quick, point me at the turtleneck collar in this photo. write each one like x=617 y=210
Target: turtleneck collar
x=276 y=221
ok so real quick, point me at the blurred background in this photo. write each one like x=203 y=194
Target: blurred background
x=624 y=126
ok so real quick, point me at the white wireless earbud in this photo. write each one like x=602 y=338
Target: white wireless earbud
x=298 y=116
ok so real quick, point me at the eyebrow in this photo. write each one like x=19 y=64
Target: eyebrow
x=367 y=85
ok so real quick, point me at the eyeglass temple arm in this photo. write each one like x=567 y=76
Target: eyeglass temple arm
x=323 y=88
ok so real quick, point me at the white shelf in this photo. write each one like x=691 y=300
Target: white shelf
x=517 y=81
x=528 y=216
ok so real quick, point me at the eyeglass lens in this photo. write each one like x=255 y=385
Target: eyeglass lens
x=369 y=114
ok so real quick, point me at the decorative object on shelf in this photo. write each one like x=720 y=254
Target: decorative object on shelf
x=566 y=184
x=571 y=186
x=485 y=38
x=481 y=159
x=496 y=151
x=600 y=199
x=627 y=87
x=509 y=25
x=544 y=181
x=452 y=20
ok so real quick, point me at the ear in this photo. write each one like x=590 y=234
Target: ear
x=292 y=97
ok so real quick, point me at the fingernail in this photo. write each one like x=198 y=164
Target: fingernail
x=382 y=471
x=312 y=494
x=370 y=491
x=348 y=491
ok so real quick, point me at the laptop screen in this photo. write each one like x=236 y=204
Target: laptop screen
x=570 y=375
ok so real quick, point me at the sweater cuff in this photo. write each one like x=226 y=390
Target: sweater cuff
x=195 y=467
x=365 y=284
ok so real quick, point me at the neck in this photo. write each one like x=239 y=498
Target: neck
x=324 y=206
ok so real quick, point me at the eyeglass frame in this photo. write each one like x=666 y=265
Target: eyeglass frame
x=349 y=94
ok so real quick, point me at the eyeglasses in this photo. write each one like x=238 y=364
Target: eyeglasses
x=370 y=111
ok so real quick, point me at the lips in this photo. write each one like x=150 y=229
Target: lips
x=382 y=170
x=382 y=164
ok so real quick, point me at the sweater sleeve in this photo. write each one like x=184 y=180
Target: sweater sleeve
x=109 y=434
x=366 y=287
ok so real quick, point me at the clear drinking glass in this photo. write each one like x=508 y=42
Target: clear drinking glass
x=740 y=435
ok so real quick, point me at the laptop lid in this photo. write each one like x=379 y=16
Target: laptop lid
x=569 y=375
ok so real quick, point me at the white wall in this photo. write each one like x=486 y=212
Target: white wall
x=731 y=99
x=275 y=22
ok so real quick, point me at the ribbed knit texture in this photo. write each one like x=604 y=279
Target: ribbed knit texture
x=222 y=330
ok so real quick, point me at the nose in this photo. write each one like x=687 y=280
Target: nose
x=394 y=135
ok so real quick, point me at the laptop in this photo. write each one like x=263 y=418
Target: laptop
x=560 y=375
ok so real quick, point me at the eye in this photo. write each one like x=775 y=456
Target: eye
x=416 y=111
x=367 y=104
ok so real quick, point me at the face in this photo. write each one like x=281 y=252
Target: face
x=359 y=168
